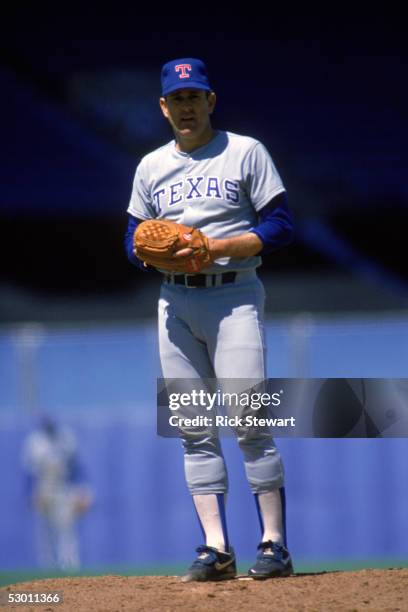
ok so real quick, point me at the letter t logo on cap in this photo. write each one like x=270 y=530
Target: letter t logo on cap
x=183 y=69
x=184 y=73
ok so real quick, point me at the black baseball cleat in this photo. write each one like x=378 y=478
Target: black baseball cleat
x=211 y=564
x=273 y=561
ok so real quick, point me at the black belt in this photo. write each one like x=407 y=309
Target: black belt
x=200 y=280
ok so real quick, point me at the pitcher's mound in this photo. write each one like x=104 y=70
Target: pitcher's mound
x=369 y=589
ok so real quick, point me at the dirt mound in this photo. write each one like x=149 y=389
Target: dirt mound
x=369 y=589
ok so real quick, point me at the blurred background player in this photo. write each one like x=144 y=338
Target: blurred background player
x=57 y=492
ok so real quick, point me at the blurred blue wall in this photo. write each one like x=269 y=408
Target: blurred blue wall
x=347 y=499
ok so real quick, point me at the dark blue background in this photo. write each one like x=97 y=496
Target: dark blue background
x=325 y=92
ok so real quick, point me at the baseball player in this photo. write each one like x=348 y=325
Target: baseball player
x=57 y=491
x=211 y=323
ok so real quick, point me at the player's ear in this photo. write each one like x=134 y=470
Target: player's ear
x=163 y=106
x=212 y=99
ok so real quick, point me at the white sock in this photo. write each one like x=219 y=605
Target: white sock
x=270 y=507
x=209 y=514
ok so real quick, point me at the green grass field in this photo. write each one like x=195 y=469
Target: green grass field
x=301 y=567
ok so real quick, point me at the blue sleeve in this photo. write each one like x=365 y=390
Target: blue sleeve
x=276 y=225
x=76 y=472
x=128 y=242
x=28 y=485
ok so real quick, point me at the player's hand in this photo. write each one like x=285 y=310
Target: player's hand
x=183 y=253
x=40 y=502
x=215 y=250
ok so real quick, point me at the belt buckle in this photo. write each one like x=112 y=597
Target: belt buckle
x=186 y=277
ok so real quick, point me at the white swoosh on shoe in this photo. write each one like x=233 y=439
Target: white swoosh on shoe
x=221 y=566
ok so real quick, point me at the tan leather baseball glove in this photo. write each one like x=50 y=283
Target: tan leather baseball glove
x=155 y=242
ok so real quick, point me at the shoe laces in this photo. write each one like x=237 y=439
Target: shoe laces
x=206 y=555
x=271 y=549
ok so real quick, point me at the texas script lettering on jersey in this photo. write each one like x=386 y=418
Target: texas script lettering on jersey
x=195 y=188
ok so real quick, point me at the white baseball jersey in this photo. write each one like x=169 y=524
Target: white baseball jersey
x=48 y=459
x=218 y=188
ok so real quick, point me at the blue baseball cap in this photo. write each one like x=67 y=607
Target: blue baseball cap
x=184 y=73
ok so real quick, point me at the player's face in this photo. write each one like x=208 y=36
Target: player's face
x=188 y=112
